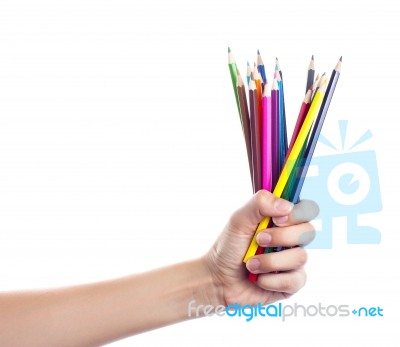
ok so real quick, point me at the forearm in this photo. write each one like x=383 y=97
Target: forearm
x=97 y=313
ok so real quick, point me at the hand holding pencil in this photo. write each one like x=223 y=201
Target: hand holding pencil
x=280 y=274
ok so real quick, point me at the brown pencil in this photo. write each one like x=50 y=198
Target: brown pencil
x=244 y=111
x=255 y=137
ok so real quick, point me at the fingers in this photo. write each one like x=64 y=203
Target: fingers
x=287 y=260
x=285 y=282
x=297 y=235
x=304 y=211
x=263 y=204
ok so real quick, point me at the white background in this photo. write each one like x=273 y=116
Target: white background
x=118 y=129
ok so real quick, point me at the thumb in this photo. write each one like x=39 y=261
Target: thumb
x=262 y=204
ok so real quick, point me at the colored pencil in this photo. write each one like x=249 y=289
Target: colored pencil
x=275 y=132
x=289 y=164
x=233 y=71
x=300 y=118
x=316 y=86
x=285 y=138
x=282 y=121
x=266 y=155
x=244 y=111
x=310 y=74
x=266 y=139
x=258 y=82
x=261 y=67
x=255 y=138
x=319 y=122
x=259 y=86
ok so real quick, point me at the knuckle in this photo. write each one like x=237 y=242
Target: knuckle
x=261 y=197
x=300 y=279
x=303 y=275
x=268 y=262
x=294 y=282
x=302 y=256
x=287 y=284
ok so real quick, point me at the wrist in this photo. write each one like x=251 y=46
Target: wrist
x=207 y=290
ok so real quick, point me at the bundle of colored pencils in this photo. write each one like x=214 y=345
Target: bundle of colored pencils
x=274 y=165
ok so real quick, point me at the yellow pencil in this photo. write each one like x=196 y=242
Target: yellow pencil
x=289 y=164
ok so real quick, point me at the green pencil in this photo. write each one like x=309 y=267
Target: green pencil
x=233 y=70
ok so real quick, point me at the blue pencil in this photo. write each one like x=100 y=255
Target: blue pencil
x=261 y=68
x=283 y=143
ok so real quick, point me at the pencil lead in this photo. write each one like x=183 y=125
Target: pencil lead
x=311 y=66
x=248 y=64
x=340 y=59
x=258 y=51
x=229 y=50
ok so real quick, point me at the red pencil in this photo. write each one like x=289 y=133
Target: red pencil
x=258 y=82
x=300 y=118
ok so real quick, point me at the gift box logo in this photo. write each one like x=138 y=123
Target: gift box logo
x=344 y=185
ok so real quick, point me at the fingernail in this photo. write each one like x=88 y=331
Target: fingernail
x=263 y=239
x=282 y=205
x=280 y=220
x=253 y=264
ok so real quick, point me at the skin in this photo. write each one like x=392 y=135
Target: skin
x=98 y=313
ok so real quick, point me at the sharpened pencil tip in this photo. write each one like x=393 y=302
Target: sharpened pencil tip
x=340 y=59
x=229 y=50
x=312 y=57
x=248 y=64
x=258 y=51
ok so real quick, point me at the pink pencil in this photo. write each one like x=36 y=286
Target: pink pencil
x=266 y=171
x=266 y=161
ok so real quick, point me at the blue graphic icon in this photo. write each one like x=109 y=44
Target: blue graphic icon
x=344 y=185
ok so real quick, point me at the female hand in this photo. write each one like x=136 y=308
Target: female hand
x=280 y=274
